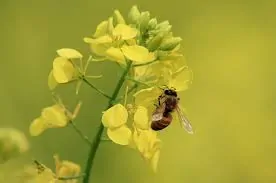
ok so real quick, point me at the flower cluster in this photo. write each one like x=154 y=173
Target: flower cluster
x=154 y=53
x=65 y=171
x=150 y=57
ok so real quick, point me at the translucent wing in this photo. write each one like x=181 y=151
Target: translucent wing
x=184 y=121
x=158 y=113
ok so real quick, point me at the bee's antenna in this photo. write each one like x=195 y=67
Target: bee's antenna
x=163 y=87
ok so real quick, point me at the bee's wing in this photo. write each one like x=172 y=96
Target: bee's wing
x=158 y=113
x=184 y=121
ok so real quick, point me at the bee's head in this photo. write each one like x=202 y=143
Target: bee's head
x=170 y=92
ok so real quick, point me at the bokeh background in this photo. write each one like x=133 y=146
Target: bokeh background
x=230 y=45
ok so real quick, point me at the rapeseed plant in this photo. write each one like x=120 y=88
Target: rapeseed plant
x=150 y=57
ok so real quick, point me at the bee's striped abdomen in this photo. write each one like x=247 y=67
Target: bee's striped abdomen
x=163 y=123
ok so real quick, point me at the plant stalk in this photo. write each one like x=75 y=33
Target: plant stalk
x=97 y=139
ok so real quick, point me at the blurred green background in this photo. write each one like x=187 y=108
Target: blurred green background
x=230 y=45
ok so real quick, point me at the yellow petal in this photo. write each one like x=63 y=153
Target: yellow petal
x=37 y=126
x=115 y=54
x=52 y=83
x=63 y=70
x=141 y=118
x=69 y=53
x=115 y=116
x=124 y=32
x=138 y=53
x=100 y=40
x=101 y=29
x=99 y=45
x=67 y=169
x=154 y=160
x=143 y=140
x=121 y=135
x=147 y=97
x=54 y=116
x=181 y=79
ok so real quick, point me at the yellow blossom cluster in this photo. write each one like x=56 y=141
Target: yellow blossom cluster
x=65 y=172
x=150 y=57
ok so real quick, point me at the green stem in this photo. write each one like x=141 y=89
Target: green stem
x=70 y=178
x=143 y=64
x=138 y=82
x=85 y=138
x=97 y=140
x=129 y=91
x=95 y=88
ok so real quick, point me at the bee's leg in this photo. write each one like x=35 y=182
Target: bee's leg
x=159 y=99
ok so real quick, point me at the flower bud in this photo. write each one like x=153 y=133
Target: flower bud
x=170 y=43
x=164 y=26
x=144 y=21
x=119 y=19
x=155 y=42
x=134 y=15
x=152 y=23
x=110 y=25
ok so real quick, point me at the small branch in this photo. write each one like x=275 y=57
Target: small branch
x=136 y=81
x=95 y=88
x=84 y=137
x=143 y=64
x=96 y=142
x=129 y=91
x=71 y=177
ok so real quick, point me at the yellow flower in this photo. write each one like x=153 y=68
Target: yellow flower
x=113 y=47
x=65 y=68
x=148 y=145
x=146 y=97
x=67 y=169
x=114 y=119
x=55 y=116
x=12 y=143
x=141 y=119
x=39 y=173
x=180 y=80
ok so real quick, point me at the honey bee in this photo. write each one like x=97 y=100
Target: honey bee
x=168 y=103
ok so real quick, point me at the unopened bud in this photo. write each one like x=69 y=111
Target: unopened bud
x=155 y=42
x=152 y=23
x=170 y=43
x=110 y=25
x=134 y=15
x=119 y=19
x=144 y=21
x=164 y=26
